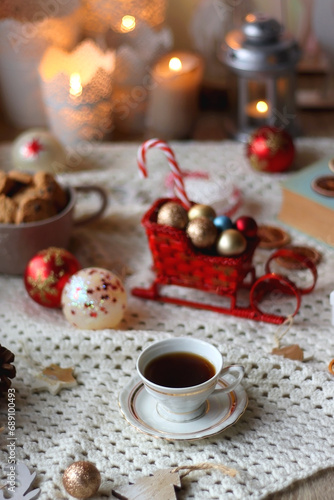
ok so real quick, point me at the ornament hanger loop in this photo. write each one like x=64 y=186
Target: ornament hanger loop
x=205 y=466
x=279 y=334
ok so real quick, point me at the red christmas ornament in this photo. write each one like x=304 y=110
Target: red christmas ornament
x=270 y=149
x=47 y=273
x=247 y=226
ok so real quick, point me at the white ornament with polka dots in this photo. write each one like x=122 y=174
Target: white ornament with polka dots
x=94 y=299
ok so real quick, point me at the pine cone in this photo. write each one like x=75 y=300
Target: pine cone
x=7 y=370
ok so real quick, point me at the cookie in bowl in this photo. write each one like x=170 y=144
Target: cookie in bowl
x=29 y=198
x=37 y=212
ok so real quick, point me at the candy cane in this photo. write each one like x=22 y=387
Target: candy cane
x=176 y=172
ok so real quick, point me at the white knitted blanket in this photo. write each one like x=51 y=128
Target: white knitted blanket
x=286 y=432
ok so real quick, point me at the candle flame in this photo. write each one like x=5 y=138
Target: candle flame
x=250 y=18
x=175 y=64
x=128 y=23
x=75 y=85
x=262 y=106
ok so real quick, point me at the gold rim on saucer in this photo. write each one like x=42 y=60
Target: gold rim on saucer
x=222 y=410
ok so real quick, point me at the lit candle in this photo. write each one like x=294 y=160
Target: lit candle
x=101 y=15
x=75 y=85
x=76 y=88
x=27 y=29
x=175 y=65
x=128 y=23
x=173 y=100
x=257 y=110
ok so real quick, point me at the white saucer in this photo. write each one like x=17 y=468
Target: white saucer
x=222 y=411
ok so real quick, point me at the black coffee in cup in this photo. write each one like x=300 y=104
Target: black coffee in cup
x=179 y=369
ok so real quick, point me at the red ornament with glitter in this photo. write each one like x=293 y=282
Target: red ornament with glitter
x=47 y=273
x=247 y=226
x=270 y=149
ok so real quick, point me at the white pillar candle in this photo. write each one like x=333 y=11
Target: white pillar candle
x=173 y=99
x=26 y=30
x=76 y=89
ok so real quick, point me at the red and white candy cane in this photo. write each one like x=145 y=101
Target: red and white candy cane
x=176 y=171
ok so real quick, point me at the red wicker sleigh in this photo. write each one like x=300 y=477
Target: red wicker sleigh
x=177 y=262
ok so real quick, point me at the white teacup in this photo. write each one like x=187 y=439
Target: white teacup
x=182 y=404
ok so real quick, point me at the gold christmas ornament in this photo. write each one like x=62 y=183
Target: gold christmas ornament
x=81 y=479
x=200 y=210
x=202 y=232
x=231 y=242
x=173 y=214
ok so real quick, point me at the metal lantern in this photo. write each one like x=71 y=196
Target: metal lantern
x=264 y=58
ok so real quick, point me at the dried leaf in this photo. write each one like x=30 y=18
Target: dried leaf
x=291 y=352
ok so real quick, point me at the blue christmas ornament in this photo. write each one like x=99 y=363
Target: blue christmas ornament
x=222 y=222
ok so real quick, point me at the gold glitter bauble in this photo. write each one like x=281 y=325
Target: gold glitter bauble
x=200 y=210
x=202 y=232
x=231 y=242
x=81 y=479
x=173 y=214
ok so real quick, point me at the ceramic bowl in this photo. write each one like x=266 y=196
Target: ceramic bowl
x=20 y=242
